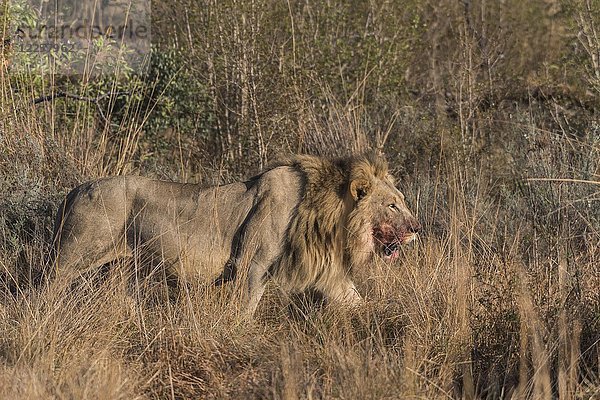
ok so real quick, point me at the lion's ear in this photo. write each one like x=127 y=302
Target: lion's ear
x=359 y=188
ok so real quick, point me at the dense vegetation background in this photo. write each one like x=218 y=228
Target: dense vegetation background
x=472 y=101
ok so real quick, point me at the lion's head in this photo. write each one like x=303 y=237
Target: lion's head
x=349 y=211
x=380 y=218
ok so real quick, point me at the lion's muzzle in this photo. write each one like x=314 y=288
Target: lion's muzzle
x=390 y=237
x=410 y=231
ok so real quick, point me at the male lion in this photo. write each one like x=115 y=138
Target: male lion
x=306 y=222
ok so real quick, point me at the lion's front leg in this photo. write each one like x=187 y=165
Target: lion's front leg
x=257 y=252
x=255 y=287
x=344 y=292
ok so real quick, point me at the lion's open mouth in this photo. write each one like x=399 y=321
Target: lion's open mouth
x=390 y=239
x=391 y=251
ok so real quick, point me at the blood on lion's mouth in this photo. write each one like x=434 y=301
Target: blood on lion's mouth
x=391 y=250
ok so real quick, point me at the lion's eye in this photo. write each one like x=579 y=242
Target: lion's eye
x=393 y=207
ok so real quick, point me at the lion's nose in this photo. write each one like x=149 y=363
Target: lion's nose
x=414 y=226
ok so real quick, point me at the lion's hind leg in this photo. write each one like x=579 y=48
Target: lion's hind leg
x=90 y=229
x=72 y=260
x=80 y=249
x=75 y=260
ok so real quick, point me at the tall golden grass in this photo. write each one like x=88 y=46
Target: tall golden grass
x=498 y=299
x=456 y=317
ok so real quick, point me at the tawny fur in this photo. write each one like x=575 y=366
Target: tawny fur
x=307 y=222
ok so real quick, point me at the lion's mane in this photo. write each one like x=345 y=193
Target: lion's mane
x=330 y=233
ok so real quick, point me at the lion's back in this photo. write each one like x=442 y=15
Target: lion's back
x=202 y=227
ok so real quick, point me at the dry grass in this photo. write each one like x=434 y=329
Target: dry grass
x=467 y=312
x=499 y=298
